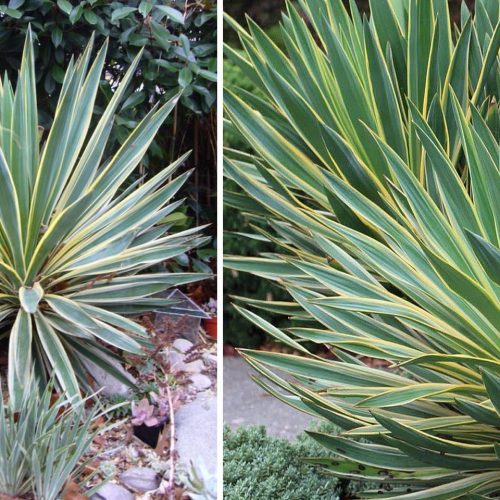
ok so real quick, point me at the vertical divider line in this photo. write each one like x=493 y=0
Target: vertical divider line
x=220 y=228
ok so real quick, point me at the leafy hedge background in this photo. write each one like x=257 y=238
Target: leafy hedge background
x=268 y=13
x=179 y=41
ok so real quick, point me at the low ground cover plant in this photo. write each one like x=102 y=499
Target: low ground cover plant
x=261 y=466
x=75 y=239
x=375 y=165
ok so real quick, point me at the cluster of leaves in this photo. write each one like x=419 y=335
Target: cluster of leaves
x=260 y=466
x=74 y=244
x=42 y=442
x=179 y=56
x=241 y=333
x=375 y=168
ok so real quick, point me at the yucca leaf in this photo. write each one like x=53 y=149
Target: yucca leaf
x=492 y=384
x=71 y=223
x=287 y=160
x=447 y=460
x=87 y=166
x=10 y=216
x=485 y=177
x=130 y=153
x=325 y=371
x=488 y=255
x=394 y=118
x=424 y=440
x=374 y=455
x=30 y=297
x=404 y=395
x=72 y=312
x=453 y=488
x=56 y=232
x=20 y=354
x=270 y=329
x=384 y=95
x=57 y=356
x=478 y=412
x=23 y=153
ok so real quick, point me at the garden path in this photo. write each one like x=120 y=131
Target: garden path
x=246 y=403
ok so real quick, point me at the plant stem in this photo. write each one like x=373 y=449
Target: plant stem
x=171 y=490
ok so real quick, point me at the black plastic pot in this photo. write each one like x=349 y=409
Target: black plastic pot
x=149 y=435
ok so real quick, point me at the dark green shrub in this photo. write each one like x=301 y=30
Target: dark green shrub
x=260 y=467
x=179 y=41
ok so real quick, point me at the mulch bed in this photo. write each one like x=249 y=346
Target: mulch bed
x=117 y=450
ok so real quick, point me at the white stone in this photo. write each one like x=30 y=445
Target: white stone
x=140 y=479
x=174 y=358
x=201 y=382
x=194 y=367
x=197 y=433
x=182 y=345
x=209 y=358
x=110 y=385
x=177 y=364
x=112 y=491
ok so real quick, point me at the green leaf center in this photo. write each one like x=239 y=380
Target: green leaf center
x=30 y=297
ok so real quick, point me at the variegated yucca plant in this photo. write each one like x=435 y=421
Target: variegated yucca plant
x=375 y=172
x=75 y=235
x=44 y=443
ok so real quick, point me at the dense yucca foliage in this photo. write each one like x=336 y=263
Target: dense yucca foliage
x=42 y=442
x=73 y=242
x=376 y=166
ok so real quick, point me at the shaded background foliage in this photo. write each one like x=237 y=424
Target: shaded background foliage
x=179 y=40
x=267 y=13
x=238 y=331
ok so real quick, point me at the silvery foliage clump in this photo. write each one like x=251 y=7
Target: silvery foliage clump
x=43 y=441
x=375 y=173
x=76 y=236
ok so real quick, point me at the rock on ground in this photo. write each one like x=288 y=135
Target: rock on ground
x=196 y=428
x=177 y=363
x=112 y=491
x=200 y=382
x=140 y=479
x=109 y=384
x=182 y=345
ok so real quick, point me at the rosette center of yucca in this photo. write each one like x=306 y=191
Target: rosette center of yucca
x=30 y=297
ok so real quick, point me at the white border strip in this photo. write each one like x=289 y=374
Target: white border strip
x=220 y=333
